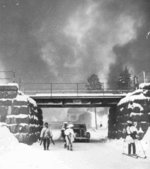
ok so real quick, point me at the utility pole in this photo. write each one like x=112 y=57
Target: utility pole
x=95 y=118
x=135 y=82
x=144 y=76
x=20 y=83
x=14 y=76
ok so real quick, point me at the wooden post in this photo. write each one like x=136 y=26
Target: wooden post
x=95 y=118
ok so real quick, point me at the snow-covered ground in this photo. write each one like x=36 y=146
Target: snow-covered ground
x=94 y=155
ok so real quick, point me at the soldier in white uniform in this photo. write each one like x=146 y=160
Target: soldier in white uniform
x=64 y=127
x=46 y=136
x=69 y=137
x=131 y=131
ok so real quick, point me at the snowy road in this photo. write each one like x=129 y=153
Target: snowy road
x=85 y=156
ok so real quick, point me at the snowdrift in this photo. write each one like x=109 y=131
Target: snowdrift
x=7 y=140
x=146 y=139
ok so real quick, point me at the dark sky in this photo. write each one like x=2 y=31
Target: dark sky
x=68 y=40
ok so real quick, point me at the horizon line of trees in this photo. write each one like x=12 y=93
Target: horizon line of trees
x=123 y=81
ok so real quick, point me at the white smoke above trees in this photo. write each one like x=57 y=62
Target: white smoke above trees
x=87 y=39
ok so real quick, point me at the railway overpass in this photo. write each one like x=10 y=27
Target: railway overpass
x=72 y=95
x=54 y=96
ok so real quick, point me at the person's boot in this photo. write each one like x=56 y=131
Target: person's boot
x=134 y=149
x=129 y=149
x=67 y=147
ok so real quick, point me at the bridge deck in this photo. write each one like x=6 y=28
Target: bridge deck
x=77 y=99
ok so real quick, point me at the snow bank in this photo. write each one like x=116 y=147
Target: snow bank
x=7 y=140
x=132 y=98
x=23 y=97
x=98 y=134
x=32 y=102
x=146 y=139
x=139 y=94
x=144 y=86
x=10 y=85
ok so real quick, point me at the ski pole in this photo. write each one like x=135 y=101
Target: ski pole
x=124 y=144
x=124 y=141
x=143 y=149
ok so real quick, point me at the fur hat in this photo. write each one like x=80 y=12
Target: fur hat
x=129 y=122
x=70 y=126
x=46 y=123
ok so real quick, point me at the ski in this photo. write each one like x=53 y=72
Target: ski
x=142 y=157
x=134 y=156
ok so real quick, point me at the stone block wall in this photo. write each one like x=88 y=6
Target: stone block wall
x=21 y=115
x=135 y=107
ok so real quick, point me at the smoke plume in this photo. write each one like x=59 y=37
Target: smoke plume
x=67 y=40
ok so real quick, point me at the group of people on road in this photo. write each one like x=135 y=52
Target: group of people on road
x=67 y=133
x=68 y=136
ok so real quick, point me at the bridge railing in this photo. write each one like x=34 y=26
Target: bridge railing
x=64 y=88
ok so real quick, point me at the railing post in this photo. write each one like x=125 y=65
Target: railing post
x=77 y=89
x=51 y=88
x=103 y=89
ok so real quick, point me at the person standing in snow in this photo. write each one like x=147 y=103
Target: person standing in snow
x=64 y=127
x=46 y=136
x=131 y=131
x=69 y=137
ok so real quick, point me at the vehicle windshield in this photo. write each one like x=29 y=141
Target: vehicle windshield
x=79 y=126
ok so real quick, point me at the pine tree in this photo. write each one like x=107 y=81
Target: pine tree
x=93 y=83
x=124 y=80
